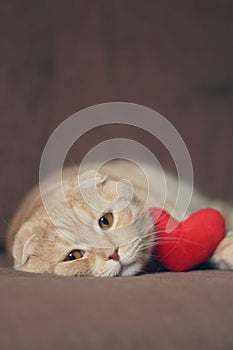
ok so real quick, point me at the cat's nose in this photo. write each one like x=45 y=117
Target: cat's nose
x=115 y=256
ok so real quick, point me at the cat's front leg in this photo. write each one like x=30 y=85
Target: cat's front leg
x=223 y=255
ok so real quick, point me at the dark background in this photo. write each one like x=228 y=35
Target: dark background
x=57 y=57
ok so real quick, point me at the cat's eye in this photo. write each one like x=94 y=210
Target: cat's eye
x=106 y=221
x=74 y=255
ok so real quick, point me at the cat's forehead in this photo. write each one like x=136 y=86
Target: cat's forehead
x=92 y=203
x=99 y=194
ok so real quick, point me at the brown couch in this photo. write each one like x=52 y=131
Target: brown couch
x=57 y=58
x=154 y=311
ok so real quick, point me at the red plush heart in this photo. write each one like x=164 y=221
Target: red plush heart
x=191 y=242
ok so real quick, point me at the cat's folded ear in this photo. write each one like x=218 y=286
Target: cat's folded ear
x=90 y=177
x=23 y=245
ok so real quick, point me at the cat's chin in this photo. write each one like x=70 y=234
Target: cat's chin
x=129 y=269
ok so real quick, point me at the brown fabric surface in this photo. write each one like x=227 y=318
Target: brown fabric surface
x=162 y=311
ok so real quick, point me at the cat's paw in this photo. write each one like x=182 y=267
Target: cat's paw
x=223 y=255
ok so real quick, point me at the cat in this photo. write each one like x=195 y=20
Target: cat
x=110 y=237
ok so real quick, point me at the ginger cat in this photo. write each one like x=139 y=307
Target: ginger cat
x=102 y=240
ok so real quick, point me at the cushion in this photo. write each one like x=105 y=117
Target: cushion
x=191 y=310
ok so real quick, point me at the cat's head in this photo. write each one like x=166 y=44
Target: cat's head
x=112 y=237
